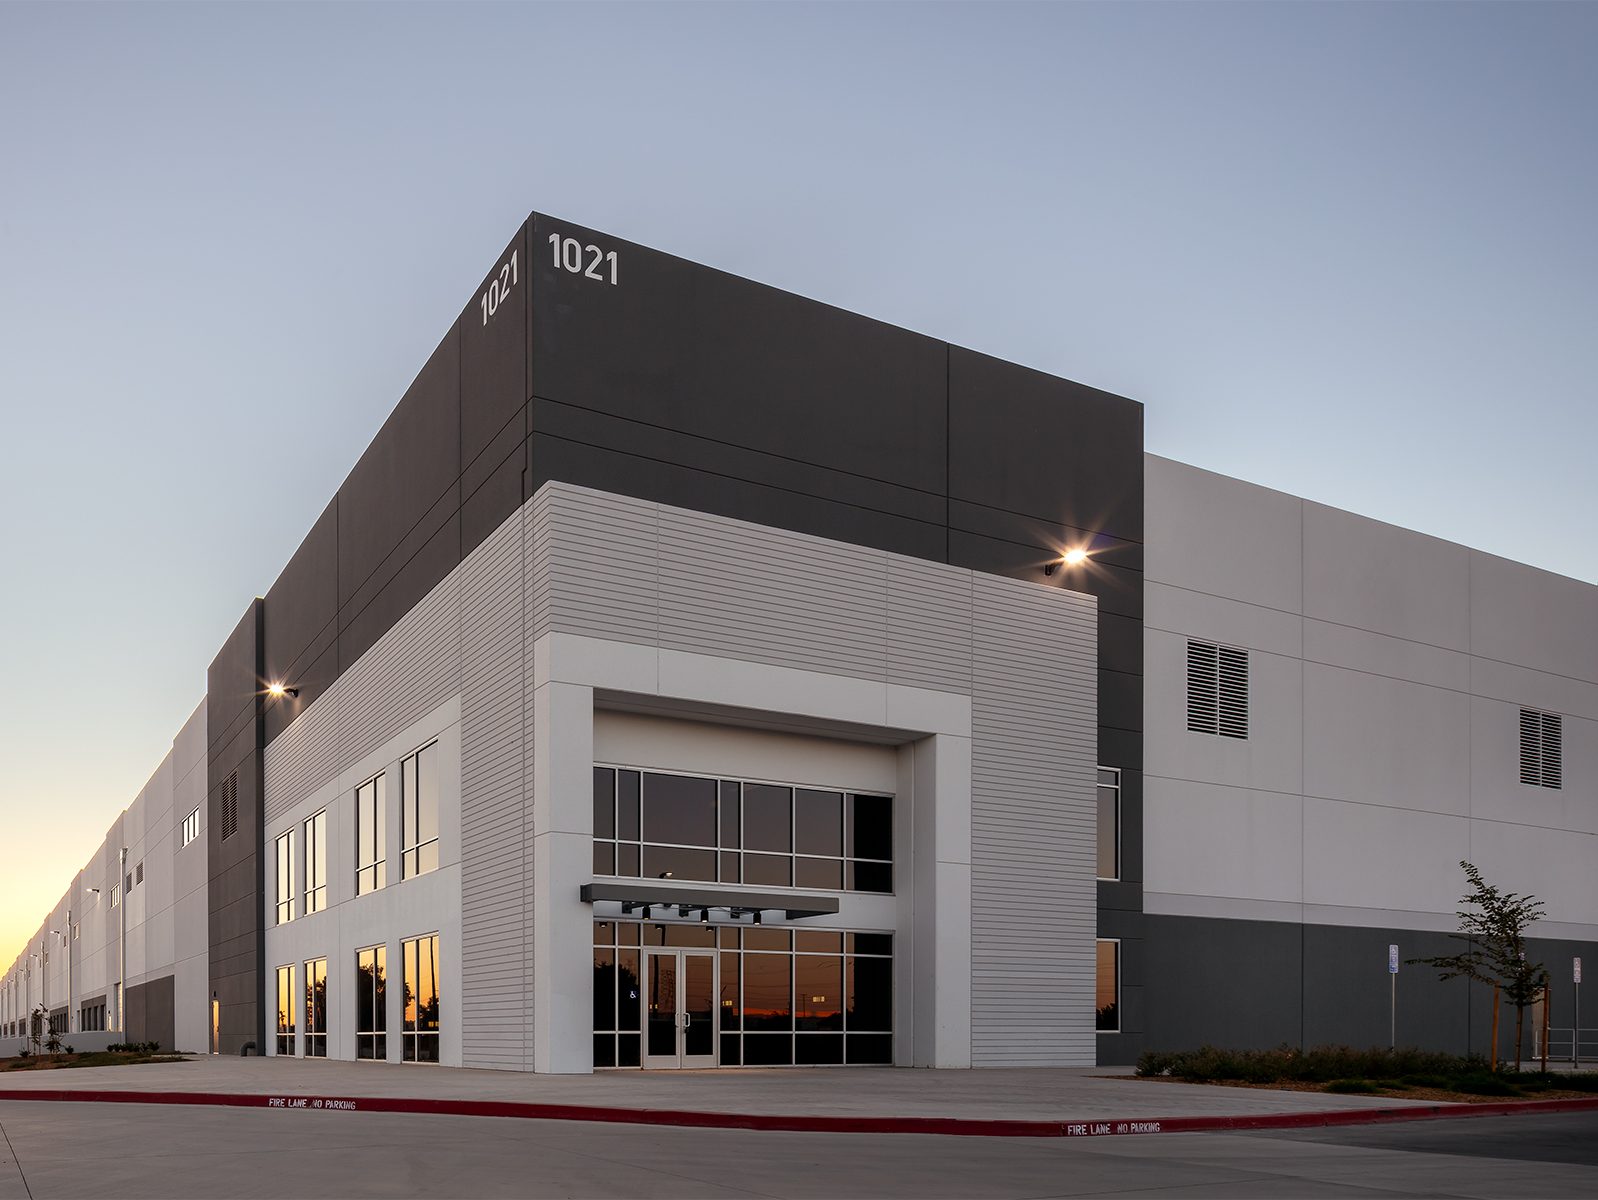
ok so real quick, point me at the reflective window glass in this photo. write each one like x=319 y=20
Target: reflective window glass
x=680 y=809
x=818 y=823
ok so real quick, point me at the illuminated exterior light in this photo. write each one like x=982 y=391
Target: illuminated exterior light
x=1074 y=557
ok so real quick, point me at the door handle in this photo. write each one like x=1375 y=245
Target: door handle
x=687 y=1019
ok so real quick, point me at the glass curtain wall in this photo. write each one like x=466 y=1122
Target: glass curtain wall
x=653 y=825
x=786 y=997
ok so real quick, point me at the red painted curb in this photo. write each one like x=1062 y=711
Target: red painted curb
x=947 y=1126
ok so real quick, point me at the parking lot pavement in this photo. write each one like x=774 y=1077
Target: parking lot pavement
x=134 y=1151
x=1043 y=1094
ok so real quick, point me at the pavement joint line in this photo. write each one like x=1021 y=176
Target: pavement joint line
x=792 y=1123
x=20 y=1173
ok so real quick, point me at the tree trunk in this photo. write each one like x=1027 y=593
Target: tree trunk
x=1495 y=1027
x=1520 y=1032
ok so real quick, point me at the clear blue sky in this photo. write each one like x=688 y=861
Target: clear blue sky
x=1348 y=251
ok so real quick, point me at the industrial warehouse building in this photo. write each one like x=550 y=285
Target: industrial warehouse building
x=691 y=674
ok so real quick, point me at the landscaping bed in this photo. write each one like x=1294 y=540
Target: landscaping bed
x=113 y=1056
x=1341 y=1070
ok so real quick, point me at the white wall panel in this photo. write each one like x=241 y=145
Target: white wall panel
x=1369 y=856
x=1203 y=840
x=1533 y=618
x=1378 y=654
x=1379 y=577
x=1269 y=759
x=695 y=747
x=1219 y=619
x=1383 y=741
x=1208 y=533
x=1418 y=655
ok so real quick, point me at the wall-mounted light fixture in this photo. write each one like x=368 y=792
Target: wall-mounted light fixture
x=704 y=916
x=1074 y=557
x=277 y=691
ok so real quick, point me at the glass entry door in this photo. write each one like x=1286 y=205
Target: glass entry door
x=680 y=1008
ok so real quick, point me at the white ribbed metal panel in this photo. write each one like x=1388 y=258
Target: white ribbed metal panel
x=407 y=673
x=745 y=591
x=1026 y=654
x=1033 y=821
x=609 y=564
x=929 y=625
x=579 y=561
x=496 y=822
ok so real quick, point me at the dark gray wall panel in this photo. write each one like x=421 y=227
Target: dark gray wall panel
x=649 y=479
x=689 y=348
x=234 y=865
x=411 y=464
x=643 y=440
x=301 y=617
x=493 y=354
x=151 y=1012
x=1205 y=976
x=414 y=577
x=1347 y=990
x=1237 y=984
x=499 y=494
x=1029 y=443
x=444 y=514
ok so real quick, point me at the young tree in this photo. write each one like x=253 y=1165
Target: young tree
x=1493 y=924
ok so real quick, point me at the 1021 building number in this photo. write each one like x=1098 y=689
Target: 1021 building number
x=568 y=254
x=498 y=289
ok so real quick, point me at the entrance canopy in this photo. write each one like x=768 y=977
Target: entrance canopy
x=635 y=894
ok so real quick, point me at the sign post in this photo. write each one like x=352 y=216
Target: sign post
x=1575 y=1019
x=1392 y=976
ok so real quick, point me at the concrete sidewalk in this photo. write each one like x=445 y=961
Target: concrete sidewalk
x=1043 y=1094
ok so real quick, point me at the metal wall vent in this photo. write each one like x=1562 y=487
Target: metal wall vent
x=1217 y=690
x=1542 y=748
x=230 y=806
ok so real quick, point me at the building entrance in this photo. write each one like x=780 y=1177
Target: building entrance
x=680 y=1009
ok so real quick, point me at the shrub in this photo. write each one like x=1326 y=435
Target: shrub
x=1345 y=1087
x=1580 y=1081
x=1320 y=1064
x=1424 y=1081
x=1485 y=1085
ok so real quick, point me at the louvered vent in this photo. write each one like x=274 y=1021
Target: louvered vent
x=1217 y=690
x=1542 y=748
x=230 y=806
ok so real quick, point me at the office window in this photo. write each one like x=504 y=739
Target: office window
x=1107 y=998
x=316 y=1008
x=75 y=928
x=1542 y=748
x=191 y=827
x=285 y=877
x=128 y=882
x=316 y=863
x=653 y=825
x=138 y=873
x=285 y=1010
x=1217 y=690
x=420 y=1032
x=419 y=812
x=371 y=1003
x=1109 y=823
x=116 y=895
x=371 y=835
